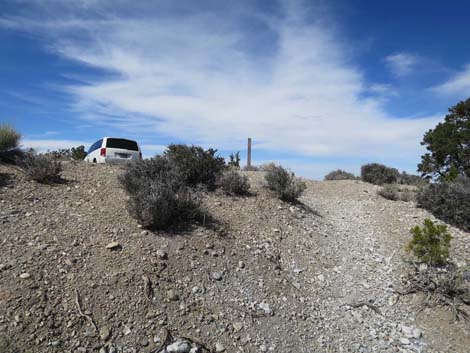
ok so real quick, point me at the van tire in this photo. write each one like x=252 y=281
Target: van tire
x=94 y=160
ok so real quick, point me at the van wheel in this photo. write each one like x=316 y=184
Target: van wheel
x=94 y=160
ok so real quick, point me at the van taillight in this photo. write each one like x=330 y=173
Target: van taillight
x=103 y=152
x=140 y=155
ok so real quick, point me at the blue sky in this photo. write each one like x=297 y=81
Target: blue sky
x=318 y=85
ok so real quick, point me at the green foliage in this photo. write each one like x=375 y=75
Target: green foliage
x=78 y=153
x=251 y=168
x=9 y=145
x=397 y=192
x=340 y=175
x=9 y=138
x=41 y=168
x=430 y=243
x=233 y=183
x=448 y=145
x=448 y=201
x=284 y=183
x=75 y=153
x=158 y=194
x=379 y=174
x=410 y=179
x=195 y=165
x=234 y=160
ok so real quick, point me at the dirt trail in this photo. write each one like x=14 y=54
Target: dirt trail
x=277 y=278
x=362 y=263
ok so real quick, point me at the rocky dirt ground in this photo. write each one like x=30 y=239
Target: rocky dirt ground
x=78 y=274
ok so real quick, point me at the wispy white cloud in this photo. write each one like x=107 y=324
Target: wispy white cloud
x=204 y=78
x=44 y=145
x=458 y=85
x=401 y=64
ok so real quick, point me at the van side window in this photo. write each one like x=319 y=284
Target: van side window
x=95 y=146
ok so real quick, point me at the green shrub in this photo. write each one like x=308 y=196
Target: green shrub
x=75 y=153
x=234 y=160
x=41 y=168
x=251 y=168
x=158 y=195
x=233 y=183
x=410 y=179
x=431 y=243
x=448 y=201
x=9 y=142
x=284 y=183
x=9 y=138
x=4 y=179
x=379 y=174
x=196 y=165
x=340 y=175
x=397 y=192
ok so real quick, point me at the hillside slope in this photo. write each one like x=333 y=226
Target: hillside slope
x=267 y=276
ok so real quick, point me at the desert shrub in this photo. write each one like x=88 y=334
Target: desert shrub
x=76 y=153
x=379 y=174
x=340 y=175
x=251 y=168
x=41 y=168
x=9 y=142
x=9 y=138
x=448 y=201
x=443 y=286
x=430 y=243
x=397 y=192
x=162 y=202
x=4 y=179
x=158 y=195
x=234 y=160
x=284 y=183
x=233 y=183
x=411 y=179
x=196 y=165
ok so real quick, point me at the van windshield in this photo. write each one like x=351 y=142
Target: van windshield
x=122 y=144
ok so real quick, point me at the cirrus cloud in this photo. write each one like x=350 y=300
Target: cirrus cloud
x=214 y=78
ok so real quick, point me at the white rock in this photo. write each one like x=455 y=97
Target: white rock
x=127 y=330
x=113 y=245
x=405 y=341
x=219 y=347
x=179 y=347
x=265 y=307
x=216 y=276
x=162 y=254
x=25 y=275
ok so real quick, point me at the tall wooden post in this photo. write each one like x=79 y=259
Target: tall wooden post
x=248 y=159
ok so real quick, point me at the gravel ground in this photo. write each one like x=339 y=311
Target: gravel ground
x=320 y=276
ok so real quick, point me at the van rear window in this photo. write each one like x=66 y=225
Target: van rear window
x=122 y=144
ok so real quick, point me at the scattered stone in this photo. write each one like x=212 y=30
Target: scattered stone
x=25 y=275
x=127 y=330
x=113 y=245
x=172 y=295
x=105 y=333
x=216 y=276
x=162 y=254
x=219 y=347
x=179 y=347
x=241 y=264
x=144 y=233
x=237 y=326
x=266 y=308
x=404 y=341
x=392 y=300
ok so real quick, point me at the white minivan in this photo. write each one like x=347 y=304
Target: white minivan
x=112 y=149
